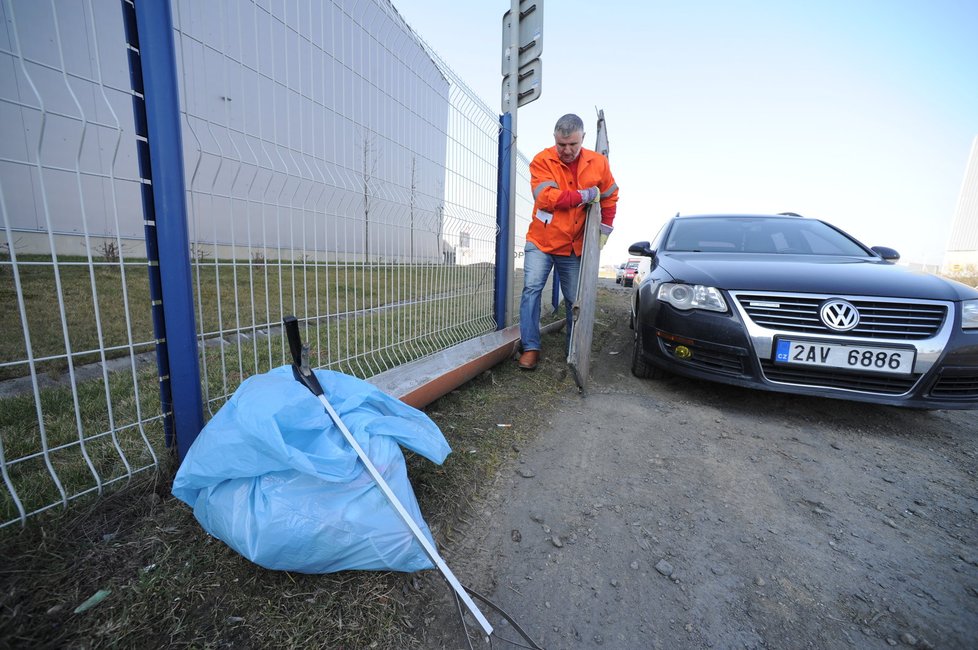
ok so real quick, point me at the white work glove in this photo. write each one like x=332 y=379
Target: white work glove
x=602 y=240
x=590 y=195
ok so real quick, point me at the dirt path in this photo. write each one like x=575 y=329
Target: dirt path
x=679 y=514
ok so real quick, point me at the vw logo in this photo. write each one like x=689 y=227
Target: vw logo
x=839 y=315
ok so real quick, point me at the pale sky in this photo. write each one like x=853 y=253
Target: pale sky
x=858 y=112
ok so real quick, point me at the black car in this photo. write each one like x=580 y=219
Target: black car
x=795 y=305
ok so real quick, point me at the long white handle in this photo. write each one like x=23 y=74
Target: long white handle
x=428 y=548
x=305 y=376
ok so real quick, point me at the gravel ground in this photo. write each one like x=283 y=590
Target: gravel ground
x=682 y=514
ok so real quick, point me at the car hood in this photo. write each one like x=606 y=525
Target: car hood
x=810 y=274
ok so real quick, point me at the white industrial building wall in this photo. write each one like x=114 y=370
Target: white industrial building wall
x=330 y=138
x=333 y=132
x=67 y=150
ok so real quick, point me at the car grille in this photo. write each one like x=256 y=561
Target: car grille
x=878 y=318
x=885 y=384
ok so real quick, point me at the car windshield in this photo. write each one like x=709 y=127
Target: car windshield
x=760 y=235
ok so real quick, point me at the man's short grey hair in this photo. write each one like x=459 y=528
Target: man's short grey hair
x=569 y=124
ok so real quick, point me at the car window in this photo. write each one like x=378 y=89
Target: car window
x=760 y=235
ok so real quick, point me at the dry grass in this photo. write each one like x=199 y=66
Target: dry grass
x=173 y=586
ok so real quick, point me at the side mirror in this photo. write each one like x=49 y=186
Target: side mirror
x=886 y=253
x=641 y=248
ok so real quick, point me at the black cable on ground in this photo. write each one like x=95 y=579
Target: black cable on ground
x=461 y=617
x=516 y=626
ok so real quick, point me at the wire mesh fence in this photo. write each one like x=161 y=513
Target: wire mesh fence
x=341 y=175
x=79 y=409
x=336 y=169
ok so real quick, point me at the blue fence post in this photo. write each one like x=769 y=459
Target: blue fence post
x=501 y=307
x=157 y=63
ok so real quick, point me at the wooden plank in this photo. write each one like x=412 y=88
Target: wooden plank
x=582 y=314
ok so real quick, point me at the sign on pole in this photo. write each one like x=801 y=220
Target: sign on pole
x=522 y=70
x=521 y=66
x=527 y=84
x=530 y=34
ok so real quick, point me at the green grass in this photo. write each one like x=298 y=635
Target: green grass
x=230 y=295
x=107 y=449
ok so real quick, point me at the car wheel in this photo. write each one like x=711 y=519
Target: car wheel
x=640 y=367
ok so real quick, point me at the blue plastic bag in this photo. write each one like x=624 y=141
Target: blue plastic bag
x=272 y=476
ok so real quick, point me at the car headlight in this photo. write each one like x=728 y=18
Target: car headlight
x=690 y=296
x=969 y=314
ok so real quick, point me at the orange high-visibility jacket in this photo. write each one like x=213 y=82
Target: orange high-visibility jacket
x=561 y=231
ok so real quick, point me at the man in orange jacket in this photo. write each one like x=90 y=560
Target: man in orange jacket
x=565 y=180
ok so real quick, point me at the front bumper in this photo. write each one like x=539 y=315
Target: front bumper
x=732 y=349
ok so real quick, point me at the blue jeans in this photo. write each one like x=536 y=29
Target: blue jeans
x=536 y=270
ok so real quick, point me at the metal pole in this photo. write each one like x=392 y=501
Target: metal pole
x=514 y=75
x=502 y=308
x=154 y=25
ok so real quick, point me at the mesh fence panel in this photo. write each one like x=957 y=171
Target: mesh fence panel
x=336 y=169
x=340 y=172
x=79 y=406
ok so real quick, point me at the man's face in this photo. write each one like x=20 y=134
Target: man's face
x=568 y=146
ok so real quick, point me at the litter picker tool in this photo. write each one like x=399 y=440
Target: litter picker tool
x=305 y=376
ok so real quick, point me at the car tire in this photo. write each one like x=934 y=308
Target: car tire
x=640 y=367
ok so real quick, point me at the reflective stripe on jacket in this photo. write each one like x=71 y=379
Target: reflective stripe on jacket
x=561 y=231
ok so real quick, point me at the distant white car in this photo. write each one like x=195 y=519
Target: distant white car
x=619 y=273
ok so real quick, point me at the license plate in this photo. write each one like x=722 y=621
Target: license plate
x=897 y=361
